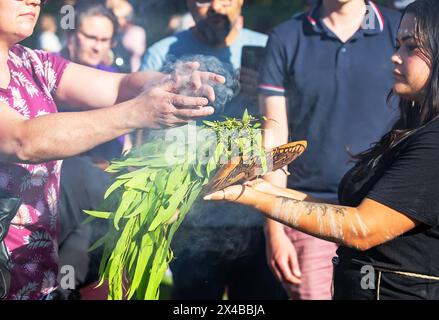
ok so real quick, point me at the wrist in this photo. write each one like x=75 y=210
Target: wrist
x=129 y=111
x=273 y=228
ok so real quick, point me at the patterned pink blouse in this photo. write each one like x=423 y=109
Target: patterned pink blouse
x=32 y=239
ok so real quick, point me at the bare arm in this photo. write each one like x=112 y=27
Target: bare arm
x=57 y=136
x=62 y=135
x=103 y=88
x=366 y=226
x=85 y=88
x=274 y=108
x=281 y=254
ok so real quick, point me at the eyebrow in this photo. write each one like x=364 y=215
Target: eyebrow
x=94 y=37
x=405 y=38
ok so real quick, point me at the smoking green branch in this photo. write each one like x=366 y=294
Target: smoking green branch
x=149 y=188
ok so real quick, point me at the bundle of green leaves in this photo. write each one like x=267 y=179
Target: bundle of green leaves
x=156 y=185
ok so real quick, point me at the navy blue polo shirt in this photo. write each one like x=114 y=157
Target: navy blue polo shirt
x=336 y=92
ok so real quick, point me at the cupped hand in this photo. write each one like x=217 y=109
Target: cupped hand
x=187 y=79
x=161 y=108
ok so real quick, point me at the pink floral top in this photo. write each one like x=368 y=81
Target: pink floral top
x=32 y=239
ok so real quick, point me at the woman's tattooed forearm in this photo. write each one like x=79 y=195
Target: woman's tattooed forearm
x=329 y=218
x=320 y=207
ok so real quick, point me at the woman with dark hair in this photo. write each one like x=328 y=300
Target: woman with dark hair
x=388 y=222
x=34 y=137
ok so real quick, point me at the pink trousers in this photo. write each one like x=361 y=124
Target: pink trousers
x=315 y=260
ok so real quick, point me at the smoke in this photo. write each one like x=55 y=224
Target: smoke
x=215 y=231
x=223 y=92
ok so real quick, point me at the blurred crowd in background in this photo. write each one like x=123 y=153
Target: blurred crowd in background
x=143 y=22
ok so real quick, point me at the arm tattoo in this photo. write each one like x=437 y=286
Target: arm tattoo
x=328 y=218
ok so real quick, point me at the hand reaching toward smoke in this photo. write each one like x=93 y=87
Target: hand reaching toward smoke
x=182 y=97
x=203 y=76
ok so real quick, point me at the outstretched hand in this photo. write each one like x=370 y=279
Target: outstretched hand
x=184 y=96
x=235 y=193
x=188 y=80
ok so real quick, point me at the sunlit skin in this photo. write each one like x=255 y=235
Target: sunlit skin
x=338 y=16
x=18 y=19
x=363 y=227
x=92 y=41
x=113 y=104
x=343 y=18
x=17 y=22
x=411 y=72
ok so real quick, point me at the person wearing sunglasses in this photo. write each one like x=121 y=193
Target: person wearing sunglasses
x=34 y=137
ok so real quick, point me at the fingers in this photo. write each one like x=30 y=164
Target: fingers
x=195 y=87
x=285 y=271
x=218 y=196
x=212 y=78
x=258 y=185
x=181 y=101
x=188 y=115
x=295 y=267
x=254 y=183
x=192 y=65
x=206 y=91
x=276 y=272
x=203 y=90
x=184 y=68
x=188 y=76
x=232 y=193
x=205 y=76
x=287 y=275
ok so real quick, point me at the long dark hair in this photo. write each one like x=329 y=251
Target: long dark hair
x=412 y=115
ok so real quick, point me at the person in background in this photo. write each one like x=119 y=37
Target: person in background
x=132 y=40
x=214 y=253
x=83 y=182
x=324 y=79
x=48 y=40
x=90 y=44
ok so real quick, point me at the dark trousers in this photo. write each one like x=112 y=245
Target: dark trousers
x=347 y=284
x=209 y=261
